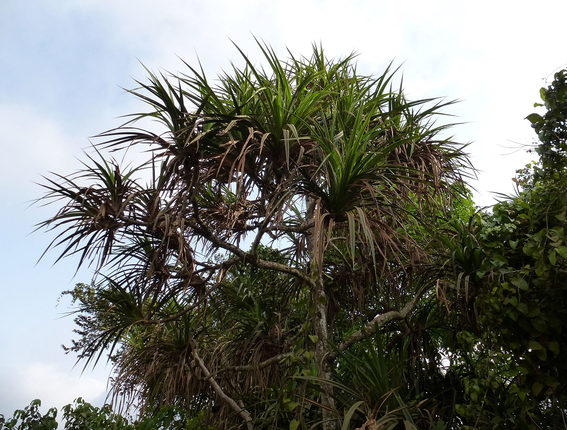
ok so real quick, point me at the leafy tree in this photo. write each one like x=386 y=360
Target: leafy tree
x=30 y=418
x=285 y=221
x=514 y=260
x=81 y=415
x=551 y=128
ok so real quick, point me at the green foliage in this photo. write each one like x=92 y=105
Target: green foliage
x=524 y=299
x=81 y=415
x=551 y=128
x=370 y=292
x=30 y=418
x=291 y=214
x=307 y=255
x=515 y=257
x=376 y=389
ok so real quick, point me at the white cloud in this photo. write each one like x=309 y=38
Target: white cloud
x=58 y=387
x=32 y=145
x=54 y=386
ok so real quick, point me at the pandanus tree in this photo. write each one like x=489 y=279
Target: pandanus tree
x=279 y=224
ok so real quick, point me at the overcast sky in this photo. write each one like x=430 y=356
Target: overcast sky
x=63 y=65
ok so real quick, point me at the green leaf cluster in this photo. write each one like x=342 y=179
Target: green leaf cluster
x=519 y=267
x=81 y=415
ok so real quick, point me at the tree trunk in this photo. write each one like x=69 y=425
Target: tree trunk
x=320 y=325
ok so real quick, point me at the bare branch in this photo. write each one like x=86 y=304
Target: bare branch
x=243 y=413
x=205 y=232
x=370 y=328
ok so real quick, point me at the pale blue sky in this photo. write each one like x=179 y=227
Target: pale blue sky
x=63 y=63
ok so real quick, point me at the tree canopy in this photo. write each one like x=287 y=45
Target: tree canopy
x=299 y=249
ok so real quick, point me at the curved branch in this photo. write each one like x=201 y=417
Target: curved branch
x=205 y=232
x=372 y=326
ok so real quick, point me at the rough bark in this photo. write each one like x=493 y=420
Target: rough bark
x=324 y=365
x=320 y=323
